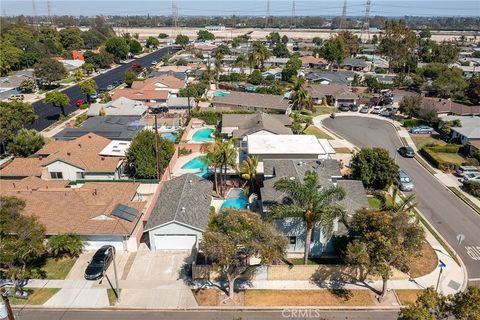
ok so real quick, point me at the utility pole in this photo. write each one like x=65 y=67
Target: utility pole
x=157 y=149
x=366 y=21
x=174 y=18
x=293 y=22
x=267 y=16
x=115 y=274
x=49 y=11
x=34 y=13
x=343 y=21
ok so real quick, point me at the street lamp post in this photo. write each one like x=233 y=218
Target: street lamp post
x=441 y=265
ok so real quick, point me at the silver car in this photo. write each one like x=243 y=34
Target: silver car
x=404 y=181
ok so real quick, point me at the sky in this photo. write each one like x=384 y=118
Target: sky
x=397 y=8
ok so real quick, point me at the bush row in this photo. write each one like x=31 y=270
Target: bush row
x=430 y=153
x=472 y=187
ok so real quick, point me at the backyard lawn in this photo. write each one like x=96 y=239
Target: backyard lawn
x=320 y=134
x=36 y=296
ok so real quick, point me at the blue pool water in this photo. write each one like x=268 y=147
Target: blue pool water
x=236 y=199
x=197 y=164
x=219 y=93
x=170 y=136
x=203 y=135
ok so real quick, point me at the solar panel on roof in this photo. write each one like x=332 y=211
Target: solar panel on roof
x=122 y=121
x=74 y=134
x=109 y=134
x=123 y=212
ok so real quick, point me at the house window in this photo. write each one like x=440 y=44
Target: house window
x=292 y=239
x=56 y=175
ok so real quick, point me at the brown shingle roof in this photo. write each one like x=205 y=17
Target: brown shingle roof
x=338 y=91
x=23 y=167
x=85 y=210
x=312 y=60
x=253 y=100
x=142 y=95
x=169 y=81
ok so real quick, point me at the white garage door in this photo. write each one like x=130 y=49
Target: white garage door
x=175 y=242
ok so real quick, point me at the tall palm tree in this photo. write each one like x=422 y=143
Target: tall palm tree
x=248 y=170
x=228 y=159
x=316 y=205
x=212 y=158
x=241 y=62
x=398 y=203
x=300 y=97
x=218 y=67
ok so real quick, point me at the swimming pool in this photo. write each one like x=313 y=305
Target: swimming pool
x=219 y=93
x=172 y=136
x=199 y=164
x=203 y=135
x=236 y=199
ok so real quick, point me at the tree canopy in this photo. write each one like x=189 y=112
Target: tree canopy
x=88 y=87
x=234 y=236
x=50 y=70
x=397 y=43
x=152 y=42
x=26 y=142
x=57 y=99
x=182 y=40
x=333 y=50
x=204 y=35
x=141 y=155
x=117 y=47
x=374 y=167
x=14 y=116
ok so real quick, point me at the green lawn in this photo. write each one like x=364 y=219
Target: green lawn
x=320 y=134
x=375 y=202
x=36 y=296
x=451 y=157
x=52 y=268
x=422 y=139
x=112 y=298
x=319 y=110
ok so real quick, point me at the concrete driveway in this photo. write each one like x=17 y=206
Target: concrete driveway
x=78 y=269
x=157 y=280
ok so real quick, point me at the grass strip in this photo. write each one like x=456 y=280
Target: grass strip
x=469 y=202
x=425 y=164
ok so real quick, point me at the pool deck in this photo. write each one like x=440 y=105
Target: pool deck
x=177 y=169
x=194 y=130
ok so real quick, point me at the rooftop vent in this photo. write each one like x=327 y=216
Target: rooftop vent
x=183 y=209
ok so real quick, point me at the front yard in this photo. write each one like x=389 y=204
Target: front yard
x=36 y=296
x=54 y=268
x=421 y=140
x=320 y=134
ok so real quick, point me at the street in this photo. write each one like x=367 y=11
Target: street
x=48 y=114
x=69 y=314
x=448 y=214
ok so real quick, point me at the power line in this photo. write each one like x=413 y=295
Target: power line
x=268 y=14
x=174 y=18
x=344 y=15
x=366 y=21
x=293 y=23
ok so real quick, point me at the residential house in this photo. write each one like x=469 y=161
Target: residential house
x=354 y=64
x=181 y=103
x=284 y=146
x=468 y=71
x=72 y=64
x=103 y=213
x=276 y=62
x=239 y=126
x=448 y=107
x=119 y=107
x=276 y=73
x=331 y=77
x=78 y=159
x=111 y=127
x=468 y=132
x=181 y=213
x=328 y=172
x=313 y=62
x=473 y=147
x=251 y=101
x=385 y=78
x=334 y=94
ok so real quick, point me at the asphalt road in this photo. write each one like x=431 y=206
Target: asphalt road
x=48 y=114
x=448 y=214
x=67 y=314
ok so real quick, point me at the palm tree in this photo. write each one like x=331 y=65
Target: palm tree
x=213 y=158
x=228 y=159
x=300 y=97
x=241 y=62
x=248 y=170
x=316 y=205
x=218 y=66
x=398 y=203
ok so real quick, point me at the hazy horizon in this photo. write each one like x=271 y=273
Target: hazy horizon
x=467 y=8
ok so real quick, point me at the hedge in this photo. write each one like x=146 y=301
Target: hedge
x=430 y=153
x=472 y=187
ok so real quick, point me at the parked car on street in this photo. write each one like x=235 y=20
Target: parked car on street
x=376 y=110
x=421 y=130
x=406 y=152
x=404 y=181
x=386 y=112
x=79 y=102
x=344 y=108
x=471 y=176
x=353 y=107
x=364 y=109
x=466 y=169
x=100 y=262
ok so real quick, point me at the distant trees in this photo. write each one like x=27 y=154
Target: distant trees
x=14 y=116
x=233 y=237
x=258 y=55
x=58 y=100
x=135 y=46
x=374 y=167
x=117 y=47
x=49 y=70
x=204 y=35
x=100 y=60
x=291 y=68
x=317 y=41
x=71 y=38
x=88 y=87
x=383 y=240
x=25 y=143
x=182 y=40
x=410 y=105
x=350 y=41
x=162 y=35
x=141 y=155
x=333 y=50
x=281 y=51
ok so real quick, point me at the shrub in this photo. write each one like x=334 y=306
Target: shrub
x=471 y=162
x=67 y=244
x=430 y=153
x=306 y=112
x=184 y=152
x=472 y=187
x=410 y=123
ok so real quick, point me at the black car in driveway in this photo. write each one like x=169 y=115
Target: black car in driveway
x=344 y=108
x=100 y=262
x=406 y=152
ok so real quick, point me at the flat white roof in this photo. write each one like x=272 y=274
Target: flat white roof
x=284 y=144
x=115 y=148
x=327 y=146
